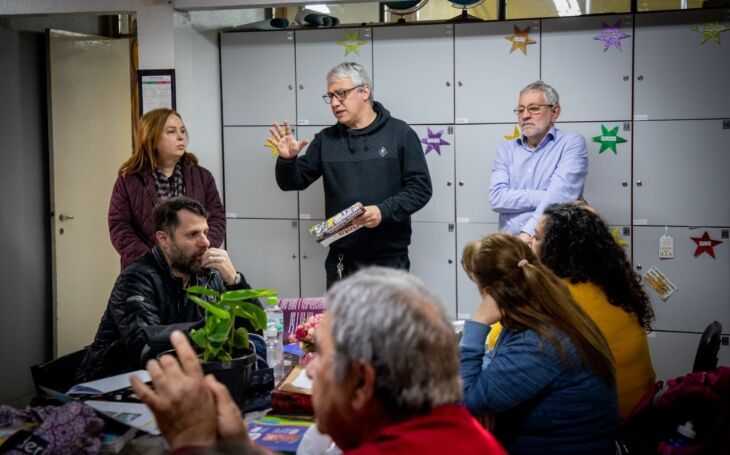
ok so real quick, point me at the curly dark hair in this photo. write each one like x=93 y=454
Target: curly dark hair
x=577 y=244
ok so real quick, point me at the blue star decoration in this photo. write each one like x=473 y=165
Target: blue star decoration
x=434 y=141
x=611 y=36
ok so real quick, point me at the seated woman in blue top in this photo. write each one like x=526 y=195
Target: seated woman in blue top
x=550 y=386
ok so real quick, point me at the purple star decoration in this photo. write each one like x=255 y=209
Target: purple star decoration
x=611 y=36
x=434 y=141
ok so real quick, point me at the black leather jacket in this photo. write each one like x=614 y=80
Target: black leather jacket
x=146 y=304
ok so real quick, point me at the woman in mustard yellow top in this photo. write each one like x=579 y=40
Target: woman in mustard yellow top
x=575 y=242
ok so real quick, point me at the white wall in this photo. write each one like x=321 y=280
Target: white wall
x=197 y=75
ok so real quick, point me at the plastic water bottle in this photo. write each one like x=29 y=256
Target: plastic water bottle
x=684 y=438
x=274 y=353
x=275 y=318
x=275 y=329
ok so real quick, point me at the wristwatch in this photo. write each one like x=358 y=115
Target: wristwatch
x=236 y=280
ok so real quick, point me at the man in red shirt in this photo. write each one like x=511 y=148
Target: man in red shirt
x=385 y=378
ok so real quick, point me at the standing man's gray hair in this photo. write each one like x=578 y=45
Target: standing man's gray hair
x=388 y=319
x=355 y=72
x=550 y=94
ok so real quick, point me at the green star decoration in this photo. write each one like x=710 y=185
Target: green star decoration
x=351 y=43
x=608 y=139
x=711 y=30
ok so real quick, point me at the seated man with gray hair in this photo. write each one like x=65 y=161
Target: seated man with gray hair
x=385 y=378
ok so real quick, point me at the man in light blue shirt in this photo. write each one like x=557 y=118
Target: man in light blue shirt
x=543 y=166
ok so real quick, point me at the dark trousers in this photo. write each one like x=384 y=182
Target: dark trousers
x=353 y=264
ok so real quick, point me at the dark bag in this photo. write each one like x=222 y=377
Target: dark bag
x=702 y=398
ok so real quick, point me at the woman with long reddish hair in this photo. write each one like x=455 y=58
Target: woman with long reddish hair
x=160 y=167
x=550 y=386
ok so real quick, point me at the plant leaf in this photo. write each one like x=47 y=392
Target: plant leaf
x=198 y=337
x=240 y=338
x=209 y=307
x=221 y=331
x=252 y=312
x=247 y=294
x=202 y=290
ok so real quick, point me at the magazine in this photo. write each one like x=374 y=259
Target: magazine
x=337 y=224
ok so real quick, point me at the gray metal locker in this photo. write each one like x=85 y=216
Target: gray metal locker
x=673 y=353
x=593 y=84
x=608 y=185
x=488 y=76
x=437 y=142
x=681 y=173
x=703 y=288
x=267 y=253
x=432 y=258
x=313 y=277
x=317 y=52
x=676 y=75
x=311 y=200
x=466 y=290
x=257 y=77
x=413 y=70
x=476 y=146
x=250 y=184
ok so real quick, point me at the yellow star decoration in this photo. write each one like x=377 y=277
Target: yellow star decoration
x=351 y=43
x=274 y=149
x=711 y=30
x=619 y=240
x=515 y=134
x=520 y=40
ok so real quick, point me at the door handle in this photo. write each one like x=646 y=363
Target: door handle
x=63 y=217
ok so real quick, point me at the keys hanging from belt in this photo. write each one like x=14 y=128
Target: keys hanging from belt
x=340 y=266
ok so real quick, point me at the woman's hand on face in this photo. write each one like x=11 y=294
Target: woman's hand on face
x=488 y=312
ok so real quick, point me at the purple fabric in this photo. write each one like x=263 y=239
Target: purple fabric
x=130 y=211
x=64 y=430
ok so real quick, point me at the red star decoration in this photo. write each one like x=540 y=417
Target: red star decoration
x=705 y=245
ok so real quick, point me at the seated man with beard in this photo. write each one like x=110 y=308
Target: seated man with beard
x=149 y=301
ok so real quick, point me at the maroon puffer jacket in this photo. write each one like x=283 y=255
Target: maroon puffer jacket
x=130 y=211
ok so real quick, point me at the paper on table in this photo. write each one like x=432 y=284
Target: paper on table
x=110 y=384
x=135 y=415
x=302 y=380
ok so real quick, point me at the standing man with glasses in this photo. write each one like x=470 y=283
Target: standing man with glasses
x=368 y=157
x=543 y=166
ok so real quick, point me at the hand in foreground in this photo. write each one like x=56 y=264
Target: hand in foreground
x=230 y=424
x=184 y=407
x=370 y=218
x=215 y=258
x=525 y=237
x=285 y=142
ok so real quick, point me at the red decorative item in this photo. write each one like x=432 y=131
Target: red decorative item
x=705 y=245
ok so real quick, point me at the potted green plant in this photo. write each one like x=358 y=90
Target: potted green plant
x=223 y=343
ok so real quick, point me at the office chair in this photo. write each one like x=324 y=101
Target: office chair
x=706 y=357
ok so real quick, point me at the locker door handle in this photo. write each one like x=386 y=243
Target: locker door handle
x=639 y=183
x=451 y=261
x=448 y=183
x=461 y=183
x=638 y=266
x=305 y=257
x=293 y=256
x=624 y=183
